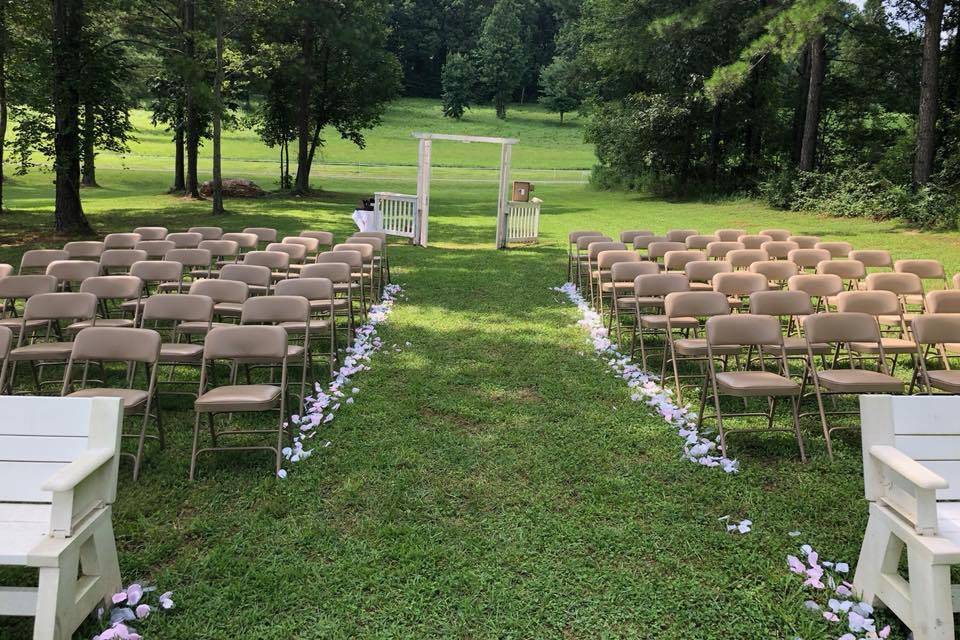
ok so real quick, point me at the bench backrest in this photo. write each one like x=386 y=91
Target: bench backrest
x=925 y=428
x=40 y=435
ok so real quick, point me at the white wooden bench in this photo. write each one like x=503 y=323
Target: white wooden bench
x=911 y=469
x=58 y=478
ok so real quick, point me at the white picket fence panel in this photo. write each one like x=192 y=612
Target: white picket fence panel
x=396 y=214
x=523 y=221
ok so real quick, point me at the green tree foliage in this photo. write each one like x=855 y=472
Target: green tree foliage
x=502 y=53
x=458 y=84
x=560 y=87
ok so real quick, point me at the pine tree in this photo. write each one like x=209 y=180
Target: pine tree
x=559 y=87
x=502 y=53
x=457 y=81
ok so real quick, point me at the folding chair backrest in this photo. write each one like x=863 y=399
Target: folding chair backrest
x=626 y=237
x=902 y=284
x=780 y=303
x=779 y=249
x=295 y=252
x=775 y=270
x=805 y=242
x=846 y=269
x=365 y=250
x=606 y=259
x=207 y=233
x=335 y=271
x=221 y=290
x=73 y=270
x=729 y=235
x=695 y=304
x=157 y=271
x=112 y=259
x=121 y=240
x=186 y=240
x=778 y=235
x=60 y=306
x=680 y=235
x=112 y=344
x=220 y=249
x=657 y=250
x=660 y=284
x=593 y=249
x=350 y=257
x=370 y=234
x=704 y=271
x=816 y=286
x=744 y=329
x=156 y=248
x=264 y=234
x=628 y=271
x=151 y=233
x=943 y=301
x=872 y=257
x=719 y=250
x=934 y=328
x=275 y=309
x=255 y=275
x=644 y=242
x=23 y=287
x=876 y=303
x=325 y=237
x=678 y=260
x=311 y=245
x=376 y=243
x=309 y=288
x=244 y=240
x=197 y=258
x=841 y=327
x=743 y=258
x=250 y=341
x=179 y=307
x=699 y=242
x=924 y=269
x=584 y=241
x=740 y=283
x=754 y=241
x=84 y=249
x=836 y=249
x=808 y=258
x=39 y=259
x=113 y=287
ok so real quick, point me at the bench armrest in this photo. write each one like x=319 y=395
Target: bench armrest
x=68 y=477
x=909 y=488
x=78 y=489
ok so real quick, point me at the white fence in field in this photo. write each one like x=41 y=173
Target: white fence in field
x=523 y=221
x=396 y=214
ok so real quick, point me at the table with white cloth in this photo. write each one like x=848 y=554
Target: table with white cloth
x=365 y=220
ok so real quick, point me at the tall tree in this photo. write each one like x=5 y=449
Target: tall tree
x=929 y=93
x=217 y=181
x=502 y=53
x=458 y=85
x=4 y=110
x=811 y=123
x=68 y=19
x=560 y=87
x=193 y=85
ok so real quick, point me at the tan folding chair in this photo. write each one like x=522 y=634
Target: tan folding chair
x=384 y=254
x=729 y=235
x=185 y=240
x=777 y=235
x=355 y=260
x=777 y=272
x=933 y=333
x=156 y=249
x=265 y=235
x=130 y=346
x=879 y=304
x=789 y=307
x=343 y=287
x=324 y=237
x=808 y=259
x=297 y=253
x=311 y=246
x=221 y=252
x=836 y=249
x=228 y=297
x=779 y=249
x=701 y=273
x=277 y=264
x=367 y=265
x=6 y=344
x=605 y=262
x=943 y=301
x=805 y=242
x=852 y=272
x=319 y=294
x=246 y=241
x=749 y=332
x=121 y=240
x=155 y=273
x=738 y=286
x=680 y=235
x=719 y=250
x=678 y=260
x=642 y=244
x=39 y=349
x=371 y=261
x=151 y=233
x=118 y=261
x=649 y=291
x=195 y=265
x=926 y=270
x=821 y=288
x=742 y=258
x=112 y=292
x=840 y=329
x=257 y=277
x=16 y=290
x=622 y=276
x=238 y=345
x=593 y=250
x=907 y=286
x=293 y=314
x=679 y=309
x=36 y=261
x=70 y=273
x=626 y=237
x=207 y=233
x=754 y=241
x=699 y=242
x=84 y=250
x=873 y=258
x=657 y=250
x=177 y=317
x=580 y=257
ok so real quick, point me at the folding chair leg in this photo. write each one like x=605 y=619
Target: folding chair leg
x=823 y=421
x=193 y=453
x=795 y=409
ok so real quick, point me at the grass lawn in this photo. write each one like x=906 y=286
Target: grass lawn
x=492 y=479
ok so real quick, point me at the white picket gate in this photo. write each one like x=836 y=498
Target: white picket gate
x=523 y=221
x=396 y=214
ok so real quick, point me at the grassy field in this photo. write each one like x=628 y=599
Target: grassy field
x=493 y=480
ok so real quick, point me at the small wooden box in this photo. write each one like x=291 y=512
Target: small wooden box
x=521 y=191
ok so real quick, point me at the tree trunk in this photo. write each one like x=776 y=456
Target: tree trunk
x=800 y=107
x=3 y=90
x=304 y=100
x=501 y=105
x=929 y=94
x=217 y=184
x=179 y=179
x=192 y=141
x=715 y=119
x=67 y=70
x=811 y=122
x=88 y=176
